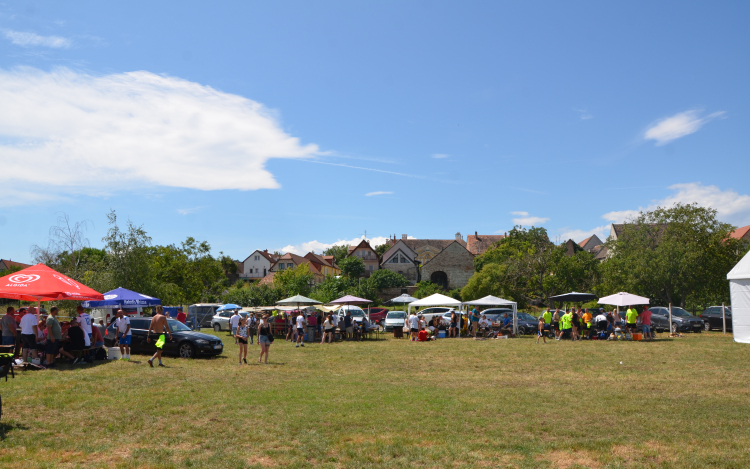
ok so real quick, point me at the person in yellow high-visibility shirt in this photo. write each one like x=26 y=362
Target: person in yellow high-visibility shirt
x=547 y=318
x=567 y=325
x=631 y=316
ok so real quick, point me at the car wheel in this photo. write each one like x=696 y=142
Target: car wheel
x=706 y=326
x=217 y=327
x=187 y=350
x=674 y=328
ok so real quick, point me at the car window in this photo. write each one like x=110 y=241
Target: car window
x=525 y=316
x=396 y=315
x=177 y=326
x=679 y=312
x=225 y=315
x=140 y=323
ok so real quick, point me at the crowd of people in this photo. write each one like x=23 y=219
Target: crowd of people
x=581 y=324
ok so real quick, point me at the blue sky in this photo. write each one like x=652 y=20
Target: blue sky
x=294 y=125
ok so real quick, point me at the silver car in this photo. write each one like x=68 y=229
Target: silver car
x=220 y=321
x=394 y=320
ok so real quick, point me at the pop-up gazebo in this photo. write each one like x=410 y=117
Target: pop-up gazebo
x=435 y=300
x=739 y=289
x=490 y=300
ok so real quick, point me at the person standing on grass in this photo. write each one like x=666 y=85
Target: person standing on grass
x=181 y=316
x=413 y=326
x=566 y=325
x=301 y=323
x=540 y=332
x=646 y=323
x=252 y=326
x=556 y=323
x=631 y=317
x=84 y=321
x=574 y=325
x=289 y=319
x=8 y=324
x=241 y=337
x=547 y=318
x=234 y=321
x=264 y=337
x=158 y=325
x=28 y=333
x=123 y=334
x=474 y=321
x=54 y=336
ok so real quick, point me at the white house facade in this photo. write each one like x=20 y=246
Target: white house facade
x=257 y=265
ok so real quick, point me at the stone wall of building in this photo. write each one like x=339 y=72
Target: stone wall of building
x=457 y=263
x=407 y=270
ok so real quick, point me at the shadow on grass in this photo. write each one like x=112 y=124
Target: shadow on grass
x=6 y=428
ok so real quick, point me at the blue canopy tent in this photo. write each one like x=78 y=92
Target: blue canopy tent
x=229 y=307
x=121 y=297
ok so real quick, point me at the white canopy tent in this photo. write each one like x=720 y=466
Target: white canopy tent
x=435 y=300
x=739 y=289
x=626 y=299
x=490 y=300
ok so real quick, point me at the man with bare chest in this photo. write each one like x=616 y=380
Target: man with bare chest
x=158 y=326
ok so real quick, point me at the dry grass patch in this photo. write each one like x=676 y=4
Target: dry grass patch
x=565 y=459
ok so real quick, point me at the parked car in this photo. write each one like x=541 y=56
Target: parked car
x=220 y=321
x=378 y=314
x=428 y=313
x=394 y=320
x=185 y=343
x=358 y=313
x=203 y=313
x=712 y=318
x=682 y=321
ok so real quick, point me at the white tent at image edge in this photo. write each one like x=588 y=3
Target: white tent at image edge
x=739 y=289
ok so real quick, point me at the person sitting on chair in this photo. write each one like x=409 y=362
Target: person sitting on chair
x=484 y=325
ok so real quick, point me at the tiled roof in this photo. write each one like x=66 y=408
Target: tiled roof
x=267 y=280
x=6 y=264
x=620 y=227
x=363 y=244
x=318 y=259
x=415 y=244
x=477 y=244
x=741 y=233
x=600 y=252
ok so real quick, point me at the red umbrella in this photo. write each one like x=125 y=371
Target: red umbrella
x=40 y=283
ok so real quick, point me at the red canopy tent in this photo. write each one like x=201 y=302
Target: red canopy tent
x=40 y=283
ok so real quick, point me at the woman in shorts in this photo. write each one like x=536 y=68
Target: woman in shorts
x=576 y=325
x=241 y=336
x=264 y=337
x=328 y=327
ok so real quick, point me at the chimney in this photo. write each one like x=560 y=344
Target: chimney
x=476 y=235
x=506 y=234
x=403 y=236
x=458 y=236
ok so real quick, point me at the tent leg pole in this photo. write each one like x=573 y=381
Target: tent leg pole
x=723 y=319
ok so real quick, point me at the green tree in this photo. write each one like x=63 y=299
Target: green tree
x=385 y=278
x=352 y=267
x=331 y=288
x=381 y=249
x=338 y=253
x=426 y=288
x=295 y=281
x=679 y=255
x=128 y=257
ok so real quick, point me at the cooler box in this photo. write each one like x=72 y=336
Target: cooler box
x=441 y=334
x=113 y=353
x=637 y=336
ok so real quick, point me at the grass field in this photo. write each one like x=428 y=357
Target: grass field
x=452 y=403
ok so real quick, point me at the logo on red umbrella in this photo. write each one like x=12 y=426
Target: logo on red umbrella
x=68 y=281
x=23 y=278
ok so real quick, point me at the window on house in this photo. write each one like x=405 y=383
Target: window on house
x=370 y=267
x=257 y=258
x=394 y=260
x=289 y=265
x=404 y=260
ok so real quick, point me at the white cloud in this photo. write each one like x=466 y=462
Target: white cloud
x=525 y=219
x=679 y=125
x=370 y=194
x=88 y=134
x=188 y=211
x=440 y=155
x=584 y=114
x=579 y=235
x=731 y=206
x=318 y=247
x=27 y=39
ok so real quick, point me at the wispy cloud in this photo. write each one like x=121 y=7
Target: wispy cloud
x=584 y=114
x=188 y=211
x=27 y=39
x=367 y=169
x=524 y=219
x=318 y=247
x=679 y=125
x=78 y=133
x=370 y=194
x=731 y=206
x=440 y=156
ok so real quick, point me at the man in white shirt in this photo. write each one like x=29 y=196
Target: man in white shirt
x=123 y=334
x=84 y=320
x=28 y=333
x=234 y=322
x=301 y=323
x=413 y=326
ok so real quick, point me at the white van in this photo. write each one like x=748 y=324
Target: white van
x=108 y=315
